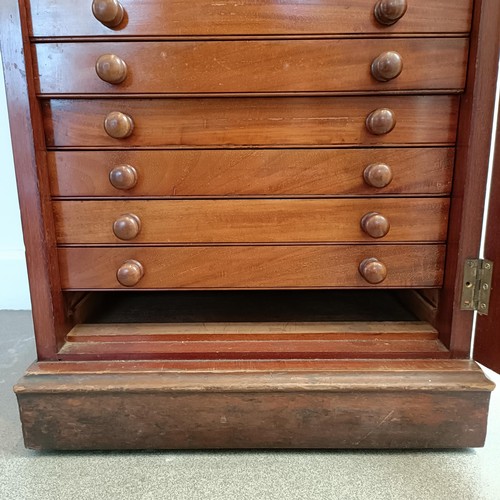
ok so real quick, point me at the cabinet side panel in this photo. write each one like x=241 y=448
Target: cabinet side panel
x=471 y=170
x=50 y=322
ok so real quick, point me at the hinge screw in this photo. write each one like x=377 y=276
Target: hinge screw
x=487 y=266
x=470 y=263
x=485 y=286
x=483 y=306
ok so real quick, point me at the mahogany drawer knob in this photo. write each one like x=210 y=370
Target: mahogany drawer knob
x=375 y=225
x=130 y=273
x=373 y=270
x=123 y=177
x=378 y=175
x=387 y=66
x=111 y=68
x=118 y=125
x=127 y=227
x=381 y=121
x=388 y=12
x=108 y=12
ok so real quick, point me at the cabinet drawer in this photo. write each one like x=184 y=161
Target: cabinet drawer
x=230 y=66
x=244 y=17
x=261 y=172
x=247 y=121
x=250 y=221
x=305 y=266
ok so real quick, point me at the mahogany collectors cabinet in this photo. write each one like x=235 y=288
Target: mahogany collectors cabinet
x=256 y=223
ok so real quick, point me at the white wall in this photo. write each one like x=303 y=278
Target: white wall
x=14 y=292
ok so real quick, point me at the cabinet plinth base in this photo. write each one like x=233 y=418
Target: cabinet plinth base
x=105 y=405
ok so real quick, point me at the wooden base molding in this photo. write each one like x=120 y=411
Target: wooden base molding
x=254 y=404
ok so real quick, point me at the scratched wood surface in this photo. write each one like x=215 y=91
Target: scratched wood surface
x=55 y=18
x=253 y=267
x=251 y=221
x=284 y=66
x=260 y=173
x=312 y=121
x=288 y=404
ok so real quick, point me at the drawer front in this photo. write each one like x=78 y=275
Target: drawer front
x=250 y=221
x=244 y=17
x=283 y=66
x=302 y=266
x=260 y=172
x=251 y=121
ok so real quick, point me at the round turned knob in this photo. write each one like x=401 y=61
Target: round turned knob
x=373 y=270
x=127 y=227
x=130 y=273
x=123 y=177
x=118 y=125
x=387 y=66
x=378 y=175
x=108 y=12
x=388 y=12
x=111 y=68
x=375 y=225
x=381 y=121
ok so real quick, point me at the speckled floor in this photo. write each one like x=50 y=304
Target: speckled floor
x=285 y=475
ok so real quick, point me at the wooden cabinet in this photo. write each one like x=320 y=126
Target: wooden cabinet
x=255 y=224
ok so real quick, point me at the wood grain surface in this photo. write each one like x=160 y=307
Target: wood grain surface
x=259 y=17
x=312 y=121
x=208 y=331
x=258 y=339
x=284 y=348
x=254 y=404
x=251 y=221
x=263 y=172
x=253 y=267
x=279 y=365
x=230 y=66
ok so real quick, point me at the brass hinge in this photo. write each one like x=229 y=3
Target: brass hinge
x=476 y=287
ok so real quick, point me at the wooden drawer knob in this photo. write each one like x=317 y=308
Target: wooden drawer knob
x=387 y=66
x=388 y=12
x=130 y=273
x=118 y=125
x=123 y=177
x=373 y=270
x=381 y=121
x=111 y=69
x=375 y=225
x=127 y=227
x=378 y=175
x=108 y=12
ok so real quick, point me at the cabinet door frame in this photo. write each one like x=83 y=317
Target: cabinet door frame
x=473 y=148
x=487 y=338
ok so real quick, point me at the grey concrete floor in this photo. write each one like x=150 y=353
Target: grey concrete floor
x=211 y=475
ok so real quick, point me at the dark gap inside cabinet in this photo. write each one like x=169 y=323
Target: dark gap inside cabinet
x=246 y=306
